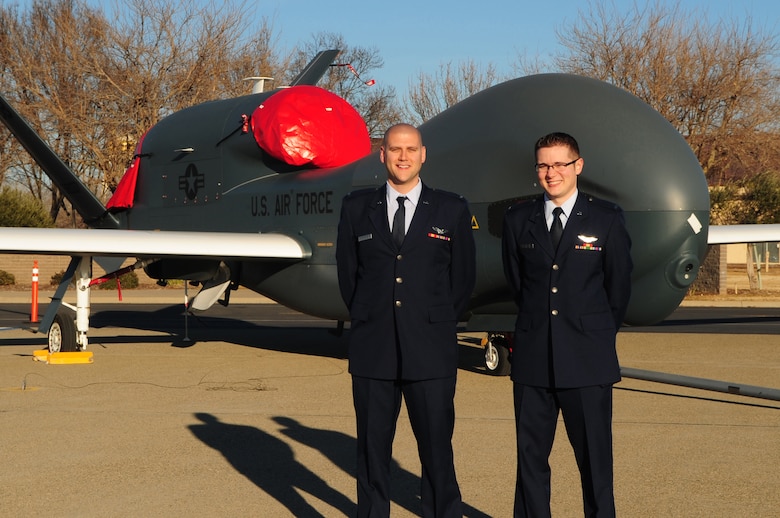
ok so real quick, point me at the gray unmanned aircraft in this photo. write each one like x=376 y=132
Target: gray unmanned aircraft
x=218 y=198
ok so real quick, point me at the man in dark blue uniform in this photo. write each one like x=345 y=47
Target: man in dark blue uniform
x=406 y=267
x=571 y=296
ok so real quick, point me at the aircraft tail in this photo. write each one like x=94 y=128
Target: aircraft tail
x=316 y=68
x=84 y=201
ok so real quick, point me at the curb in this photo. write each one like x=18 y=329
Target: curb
x=130 y=296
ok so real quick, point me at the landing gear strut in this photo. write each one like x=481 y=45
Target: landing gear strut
x=64 y=332
x=497 y=354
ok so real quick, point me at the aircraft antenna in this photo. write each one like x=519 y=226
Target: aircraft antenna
x=259 y=83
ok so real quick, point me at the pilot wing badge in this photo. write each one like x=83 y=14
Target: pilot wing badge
x=439 y=233
x=587 y=243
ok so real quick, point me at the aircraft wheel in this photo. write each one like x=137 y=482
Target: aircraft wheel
x=497 y=356
x=62 y=334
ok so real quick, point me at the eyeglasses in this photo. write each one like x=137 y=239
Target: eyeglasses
x=558 y=167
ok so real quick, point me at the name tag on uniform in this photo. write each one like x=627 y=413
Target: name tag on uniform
x=525 y=245
x=365 y=237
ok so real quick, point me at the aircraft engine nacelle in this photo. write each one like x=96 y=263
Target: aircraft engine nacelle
x=633 y=156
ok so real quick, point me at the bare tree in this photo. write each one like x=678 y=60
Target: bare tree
x=168 y=55
x=374 y=102
x=92 y=86
x=49 y=80
x=432 y=94
x=716 y=82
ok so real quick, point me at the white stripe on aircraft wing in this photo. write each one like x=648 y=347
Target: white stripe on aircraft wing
x=724 y=234
x=150 y=243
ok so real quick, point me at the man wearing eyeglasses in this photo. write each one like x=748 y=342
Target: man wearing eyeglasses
x=571 y=297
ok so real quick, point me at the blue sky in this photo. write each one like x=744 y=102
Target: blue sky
x=415 y=36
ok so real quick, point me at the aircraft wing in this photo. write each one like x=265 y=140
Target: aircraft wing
x=726 y=234
x=151 y=243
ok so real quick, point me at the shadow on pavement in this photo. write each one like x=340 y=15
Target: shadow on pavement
x=270 y=464
x=287 y=331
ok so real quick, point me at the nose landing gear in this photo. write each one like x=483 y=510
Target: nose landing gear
x=498 y=352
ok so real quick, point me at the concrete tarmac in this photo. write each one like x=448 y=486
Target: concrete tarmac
x=259 y=421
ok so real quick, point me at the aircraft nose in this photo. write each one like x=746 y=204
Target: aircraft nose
x=667 y=254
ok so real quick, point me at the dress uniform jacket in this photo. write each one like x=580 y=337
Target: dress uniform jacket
x=571 y=302
x=405 y=303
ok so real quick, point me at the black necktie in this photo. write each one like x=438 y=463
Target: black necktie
x=556 y=229
x=399 y=222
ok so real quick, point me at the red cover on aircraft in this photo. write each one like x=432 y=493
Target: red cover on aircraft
x=124 y=195
x=306 y=124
